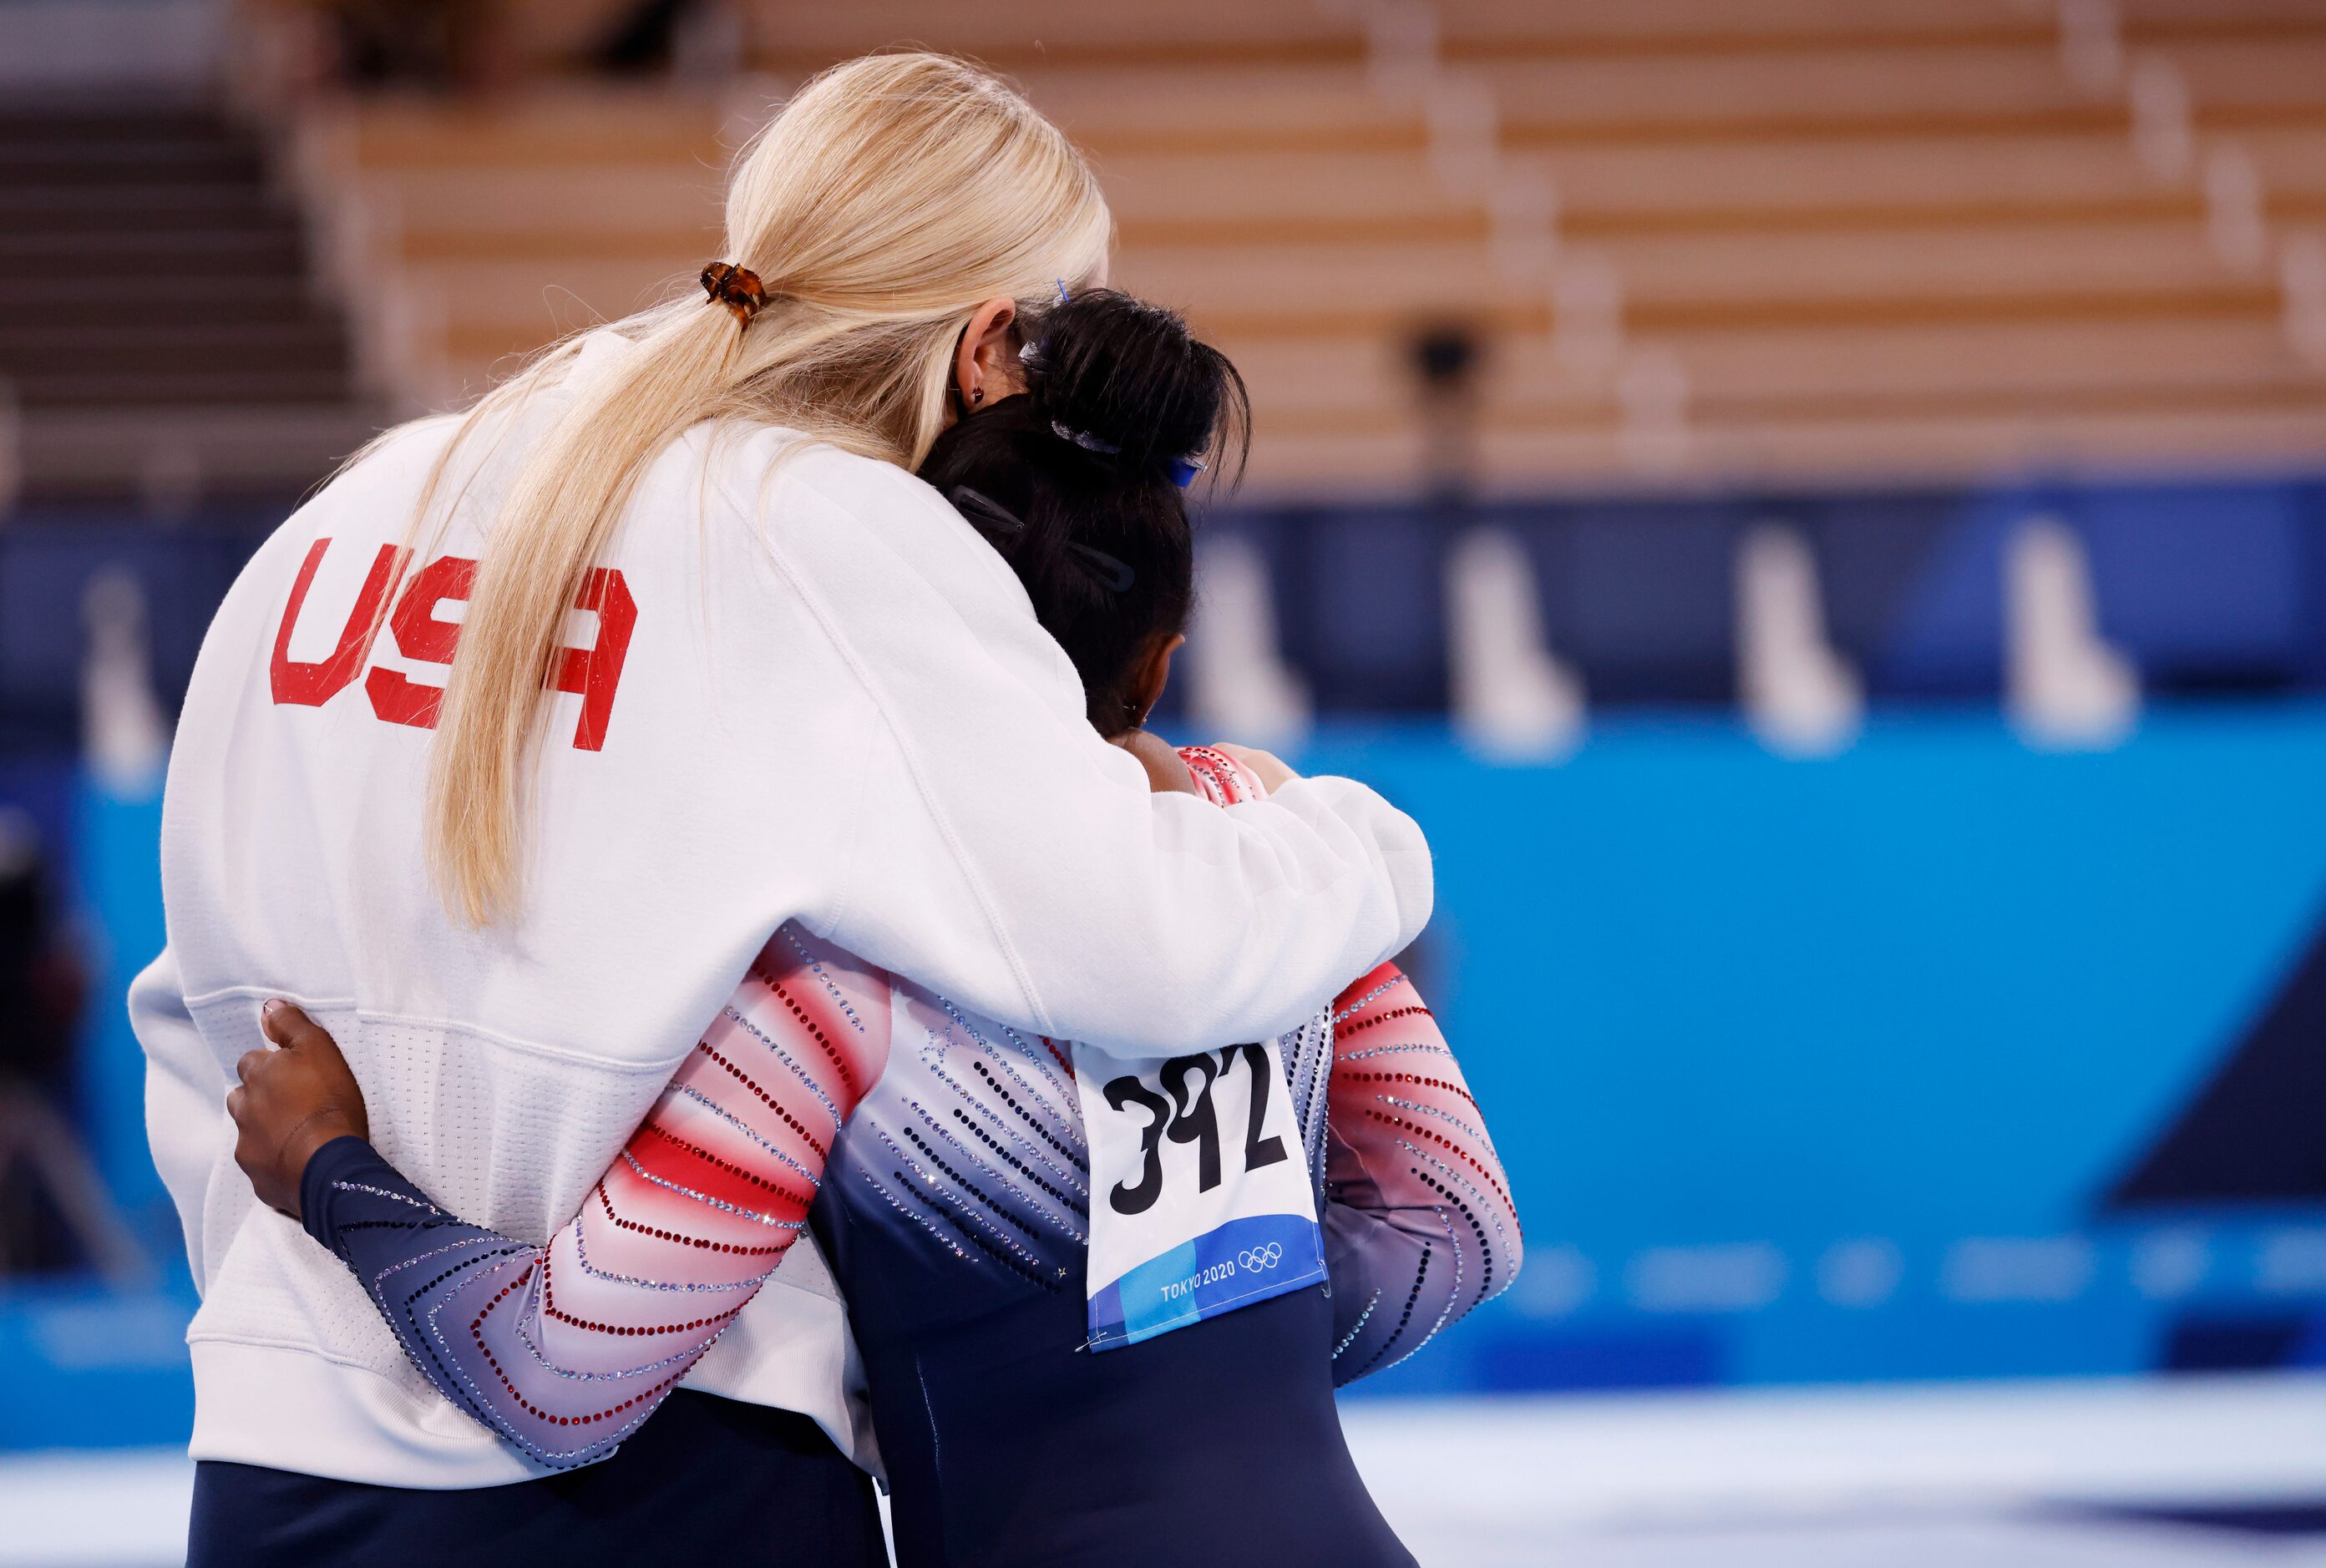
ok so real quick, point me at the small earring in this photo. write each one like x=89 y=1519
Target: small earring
x=978 y=396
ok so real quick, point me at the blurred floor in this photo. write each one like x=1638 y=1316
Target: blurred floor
x=2011 y=1475
x=94 y=1508
x=2183 y=1473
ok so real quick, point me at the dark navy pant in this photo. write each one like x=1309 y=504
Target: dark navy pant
x=705 y=1479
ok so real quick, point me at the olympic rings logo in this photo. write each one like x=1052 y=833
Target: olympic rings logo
x=1255 y=1259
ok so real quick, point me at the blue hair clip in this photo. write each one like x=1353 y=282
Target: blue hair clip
x=1064 y=298
x=1183 y=470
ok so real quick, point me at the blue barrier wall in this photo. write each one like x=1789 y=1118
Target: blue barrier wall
x=47 y=560
x=1905 y=1063
x=2209 y=586
x=1827 y=1070
x=1801 y=1069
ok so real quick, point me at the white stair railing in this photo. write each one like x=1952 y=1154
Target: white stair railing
x=2236 y=223
x=1653 y=390
x=2301 y=285
x=1800 y=697
x=12 y=446
x=2066 y=687
x=1587 y=312
x=1462 y=116
x=125 y=737
x=1512 y=698
x=2091 y=45
x=2163 y=127
x=1523 y=217
x=1239 y=687
x=2165 y=140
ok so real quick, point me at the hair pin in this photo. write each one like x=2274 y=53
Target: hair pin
x=980 y=507
x=1119 y=575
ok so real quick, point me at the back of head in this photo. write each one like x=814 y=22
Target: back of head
x=1078 y=483
x=890 y=197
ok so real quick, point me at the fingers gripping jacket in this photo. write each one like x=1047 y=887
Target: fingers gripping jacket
x=563 y=1349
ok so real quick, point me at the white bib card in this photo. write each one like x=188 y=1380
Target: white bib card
x=1200 y=1195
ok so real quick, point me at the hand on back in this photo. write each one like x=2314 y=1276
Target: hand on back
x=290 y=1101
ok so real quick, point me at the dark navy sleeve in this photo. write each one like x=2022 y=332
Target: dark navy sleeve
x=331 y=1191
x=410 y=1255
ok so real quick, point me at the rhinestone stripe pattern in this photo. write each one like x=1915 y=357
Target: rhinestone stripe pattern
x=975 y=1137
x=562 y=1349
x=1418 y=1210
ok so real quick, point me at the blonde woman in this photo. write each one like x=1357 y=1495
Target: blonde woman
x=512 y=749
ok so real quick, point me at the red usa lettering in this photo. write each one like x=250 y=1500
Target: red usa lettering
x=595 y=674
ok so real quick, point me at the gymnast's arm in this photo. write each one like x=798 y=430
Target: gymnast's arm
x=1418 y=1224
x=563 y=1349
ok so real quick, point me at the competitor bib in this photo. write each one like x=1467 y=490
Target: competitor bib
x=1200 y=1195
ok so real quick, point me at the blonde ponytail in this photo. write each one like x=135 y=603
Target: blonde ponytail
x=890 y=197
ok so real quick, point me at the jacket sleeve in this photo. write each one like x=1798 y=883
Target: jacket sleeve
x=1418 y=1224
x=185 y=1106
x=563 y=1349
x=1006 y=856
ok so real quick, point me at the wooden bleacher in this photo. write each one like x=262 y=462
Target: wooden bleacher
x=158 y=339
x=1863 y=238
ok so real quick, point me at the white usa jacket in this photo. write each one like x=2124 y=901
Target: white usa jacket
x=808 y=690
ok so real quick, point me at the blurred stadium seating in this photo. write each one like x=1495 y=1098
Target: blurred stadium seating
x=1819 y=507
x=161 y=332
x=1775 y=244
x=1852 y=269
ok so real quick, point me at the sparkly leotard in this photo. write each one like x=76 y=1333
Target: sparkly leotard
x=940 y=1159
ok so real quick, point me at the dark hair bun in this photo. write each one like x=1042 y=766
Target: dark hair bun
x=1074 y=484
x=1123 y=374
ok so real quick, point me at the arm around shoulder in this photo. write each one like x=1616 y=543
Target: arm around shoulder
x=1003 y=854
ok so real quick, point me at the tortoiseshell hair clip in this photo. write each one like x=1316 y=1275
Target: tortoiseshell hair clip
x=737 y=287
